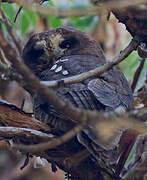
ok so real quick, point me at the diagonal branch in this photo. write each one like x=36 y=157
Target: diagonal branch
x=97 y=71
x=50 y=144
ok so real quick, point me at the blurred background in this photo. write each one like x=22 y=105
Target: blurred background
x=112 y=36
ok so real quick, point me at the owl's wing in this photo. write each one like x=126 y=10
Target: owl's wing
x=112 y=90
x=108 y=92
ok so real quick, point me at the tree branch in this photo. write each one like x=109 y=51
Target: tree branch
x=24 y=133
x=99 y=123
x=10 y=115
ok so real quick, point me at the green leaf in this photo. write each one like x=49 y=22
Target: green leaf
x=129 y=67
x=82 y=22
x=55 y=21
x=32 y=16
x=25 y=23
x=9 y=10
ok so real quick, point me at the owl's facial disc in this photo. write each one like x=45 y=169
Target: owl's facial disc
x=38 y=50
x=44 y=49
x=63 y=42
x=35 y=54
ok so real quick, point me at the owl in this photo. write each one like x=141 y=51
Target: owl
x=64 y=52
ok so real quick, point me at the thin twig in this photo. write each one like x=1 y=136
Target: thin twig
x=51 y=144
x=20 y=8
x=2 y=58
x=137 y=74
x=97 y=71
x=10 y=132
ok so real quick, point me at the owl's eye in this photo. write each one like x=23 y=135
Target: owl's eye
x=36 y=53
x=67 y=44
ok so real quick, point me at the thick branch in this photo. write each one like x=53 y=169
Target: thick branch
x=10 y=115
x=65 y=162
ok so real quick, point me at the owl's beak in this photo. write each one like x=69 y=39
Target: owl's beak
x=55 y=40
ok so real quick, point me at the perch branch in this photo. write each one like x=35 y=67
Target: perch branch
x=10 y=115
x=7 y=110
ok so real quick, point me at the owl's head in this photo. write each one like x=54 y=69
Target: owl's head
x=44 y=49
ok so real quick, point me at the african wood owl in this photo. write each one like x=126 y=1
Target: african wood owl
x=64 y=52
